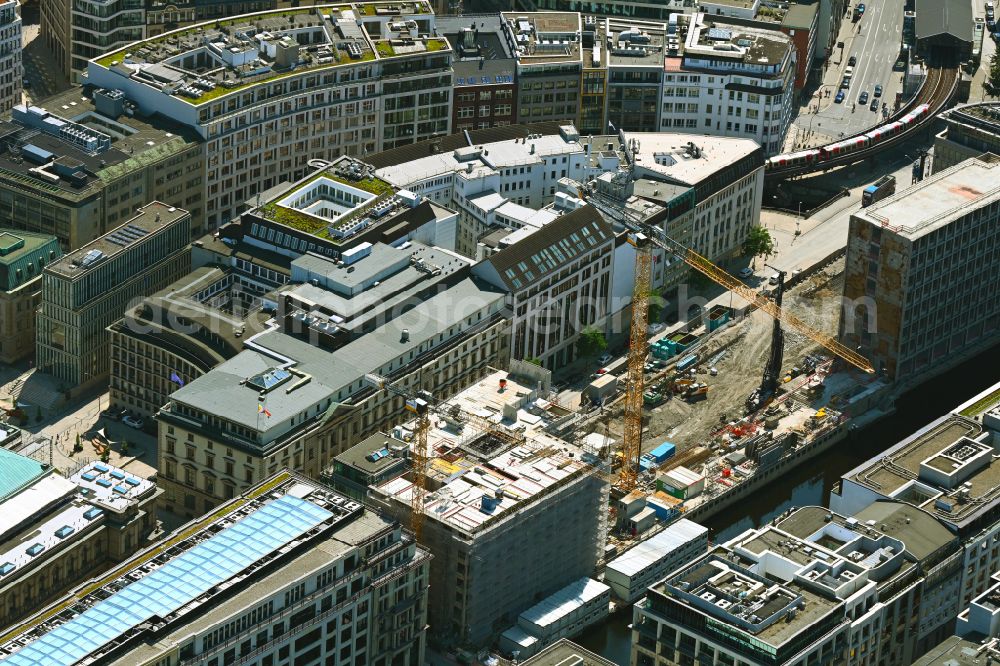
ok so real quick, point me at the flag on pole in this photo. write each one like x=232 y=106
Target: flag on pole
x=175 y=378
x=263 y=410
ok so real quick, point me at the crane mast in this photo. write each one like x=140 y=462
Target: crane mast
x=632 y=437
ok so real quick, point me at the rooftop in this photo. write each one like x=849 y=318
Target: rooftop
x=150 y=219
x=374 y=454
x=539 y=38
x=711 y=39
x=746 y=603
x=685 y=159
x=64 y=146
x=52 y=513
x=319 y=375
x=954 y=651
x=564 y=652
x=210 y=559
x=482 y=55
x=800 y=16
x=947 y=469
x=632 y=43
x=655 y=549
x=493 y=155
x=558 y=605
x=203 y=62
x=17 y=471
x=18 y=249
x=349 y=297
x=952 y=17
x=936 y=201
x=491 y=454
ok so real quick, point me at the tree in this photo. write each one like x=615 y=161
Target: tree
x=124 y=447
x=991 y=86
x=78 y=446
x=534 y=360
x=106 y=455
x=591 y=342
x=758 y=243
x=656 y=303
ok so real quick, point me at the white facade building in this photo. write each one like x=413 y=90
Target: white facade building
x=631 y=573
x=728 y=80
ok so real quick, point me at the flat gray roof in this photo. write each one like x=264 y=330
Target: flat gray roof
x=952 y=17
x=937 y=201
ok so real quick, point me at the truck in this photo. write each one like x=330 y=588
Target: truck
x=657 y=456
x=880 y=189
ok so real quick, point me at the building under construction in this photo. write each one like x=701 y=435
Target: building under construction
x=512 y=512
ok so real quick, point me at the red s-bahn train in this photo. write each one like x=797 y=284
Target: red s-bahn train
x=854 y=144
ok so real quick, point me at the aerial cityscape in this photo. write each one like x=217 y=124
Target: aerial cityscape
x=499 y=332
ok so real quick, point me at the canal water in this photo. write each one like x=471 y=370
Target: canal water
x=810 y=483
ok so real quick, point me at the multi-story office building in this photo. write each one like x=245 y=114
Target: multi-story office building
x=633 y=53
x=23 y=255
x=268 y=92
x=11 y=70
x=515 y=513
x=727 y=175
x=558 y=281
x=947 y=470
x=479 y=174
x=297 y=395
x=77 y=32
x=549 y=54
x=87 y=290
x=485 y=85
x=81 y=170
x=57 y=532
x=815 y=587
x=288 y=573
x=921 y=286
x=969 y=132
x=181 y=333
x=726 y=79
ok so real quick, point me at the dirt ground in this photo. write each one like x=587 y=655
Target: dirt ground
x=816 y=301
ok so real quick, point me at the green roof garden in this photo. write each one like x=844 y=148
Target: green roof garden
x=315 y=225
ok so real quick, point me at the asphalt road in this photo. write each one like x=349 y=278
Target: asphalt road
x=875 y=40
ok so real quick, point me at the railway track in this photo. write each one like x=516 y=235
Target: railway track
x=936 y=92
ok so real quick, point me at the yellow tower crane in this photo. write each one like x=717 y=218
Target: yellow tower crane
x=642 y=238
x=419 y=404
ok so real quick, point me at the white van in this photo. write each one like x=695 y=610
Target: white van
x=848 y=73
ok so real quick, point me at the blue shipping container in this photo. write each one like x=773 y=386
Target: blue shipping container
x=687 y=362
x=663 y=451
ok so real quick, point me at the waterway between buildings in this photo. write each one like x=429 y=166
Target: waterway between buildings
x=810 y=483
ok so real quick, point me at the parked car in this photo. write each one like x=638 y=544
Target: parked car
x=878 y=90
x=840 y=97
x=773 y=279
x=655 y=328
x=133 y=422
x=746 y=272
x=113 y=413
x=852 y=61
x=863 y=97
x=605 y=359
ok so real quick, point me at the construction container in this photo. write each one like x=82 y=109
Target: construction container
x=685 y=340
x=602 y=388
x=664 y=349
x=687 y=362
x=681 y=482
x=656 y=457
x=643 y=520
x=717 y=316
x=666 y=507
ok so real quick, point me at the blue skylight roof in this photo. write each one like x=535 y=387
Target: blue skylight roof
x=174 y=584
x=269 y=379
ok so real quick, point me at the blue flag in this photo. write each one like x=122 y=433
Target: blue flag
x=175 y=379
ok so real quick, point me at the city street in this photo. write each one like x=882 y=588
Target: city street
x=875 y=41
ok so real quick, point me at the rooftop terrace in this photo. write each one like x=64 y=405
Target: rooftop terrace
x=538 y=38
x=711 y=37
x=204 y=62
